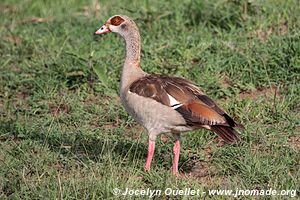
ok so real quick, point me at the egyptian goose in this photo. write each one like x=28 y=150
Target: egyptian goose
x=164 y=104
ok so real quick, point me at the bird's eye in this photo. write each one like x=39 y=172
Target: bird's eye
x=123 y=26
x=101 y=28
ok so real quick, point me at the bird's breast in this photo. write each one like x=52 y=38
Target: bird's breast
x=154 y=116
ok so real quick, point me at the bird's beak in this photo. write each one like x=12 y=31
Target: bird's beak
x=104 y=29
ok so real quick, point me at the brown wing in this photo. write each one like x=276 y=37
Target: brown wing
x=195 y=107
x=152 y=87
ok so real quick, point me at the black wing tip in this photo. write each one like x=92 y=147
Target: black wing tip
x=232 y=123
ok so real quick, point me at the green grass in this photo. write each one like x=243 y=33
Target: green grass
x=65 y=135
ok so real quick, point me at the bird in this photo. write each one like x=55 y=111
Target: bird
x=164 y=104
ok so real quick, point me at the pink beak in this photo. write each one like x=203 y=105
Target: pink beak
x=104 y=29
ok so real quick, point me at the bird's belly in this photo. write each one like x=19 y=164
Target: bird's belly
x=154 y=116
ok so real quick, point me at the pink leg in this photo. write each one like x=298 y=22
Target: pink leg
x=176 y=150
x=151 y=148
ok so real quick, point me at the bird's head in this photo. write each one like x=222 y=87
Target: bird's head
x=120 y=24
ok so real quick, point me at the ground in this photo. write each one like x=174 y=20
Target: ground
x=65 y=135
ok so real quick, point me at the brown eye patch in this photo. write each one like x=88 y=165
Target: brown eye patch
x=117 y=20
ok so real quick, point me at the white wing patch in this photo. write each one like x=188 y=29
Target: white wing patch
x=173 y=102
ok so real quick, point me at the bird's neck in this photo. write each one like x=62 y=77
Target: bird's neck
x=133 y=48
x=131 y=69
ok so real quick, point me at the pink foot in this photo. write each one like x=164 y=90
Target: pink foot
x=176 y=150
x=151 y=147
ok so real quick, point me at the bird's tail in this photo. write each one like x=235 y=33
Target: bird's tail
x=227 y=133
